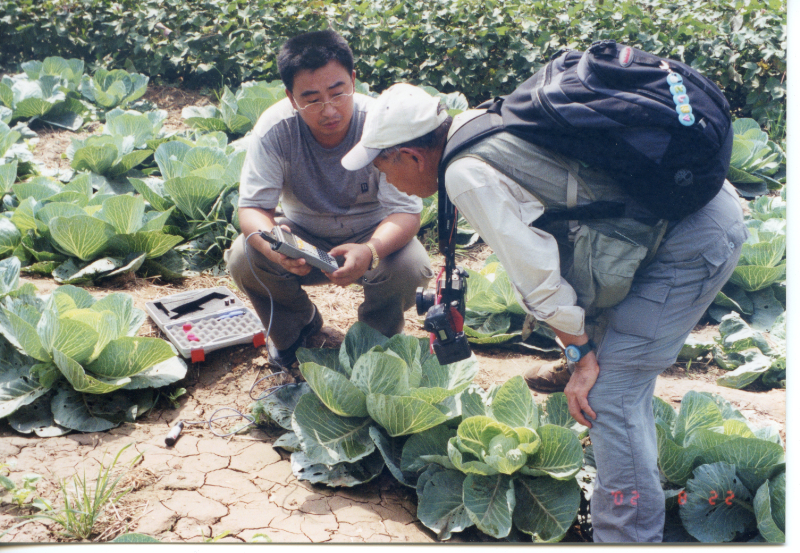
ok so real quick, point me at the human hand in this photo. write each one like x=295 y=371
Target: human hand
x=299 y=267
x=578 y=388
x=357 y=259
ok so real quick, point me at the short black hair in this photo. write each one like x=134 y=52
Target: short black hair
x=311 y=51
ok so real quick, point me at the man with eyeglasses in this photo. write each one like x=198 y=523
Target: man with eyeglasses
x=294 y=157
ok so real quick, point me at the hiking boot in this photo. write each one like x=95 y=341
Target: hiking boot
x=547 y=377
x=286 y=357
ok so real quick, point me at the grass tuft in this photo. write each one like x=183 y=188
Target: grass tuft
x=83 y=504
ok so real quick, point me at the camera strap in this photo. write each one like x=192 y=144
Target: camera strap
x=448 y=218
x=471 y=132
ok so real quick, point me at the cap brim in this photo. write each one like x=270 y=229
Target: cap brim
x=359 y=157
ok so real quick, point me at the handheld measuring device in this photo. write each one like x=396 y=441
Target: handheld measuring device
x=283 y=241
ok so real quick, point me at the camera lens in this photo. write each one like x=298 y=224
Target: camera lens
x=425 y=299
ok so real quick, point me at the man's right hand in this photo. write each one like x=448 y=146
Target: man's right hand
x=582 y=380
x=577 y=390
x=298 y=267
x=253 y=220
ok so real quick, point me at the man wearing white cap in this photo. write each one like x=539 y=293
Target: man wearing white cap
x=505 y=186
x=294 y=156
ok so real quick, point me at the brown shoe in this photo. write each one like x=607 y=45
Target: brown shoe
x=547 y=376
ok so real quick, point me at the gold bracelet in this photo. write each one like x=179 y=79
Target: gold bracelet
x=375 y=258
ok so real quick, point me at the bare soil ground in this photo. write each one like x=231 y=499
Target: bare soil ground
x=237 y=487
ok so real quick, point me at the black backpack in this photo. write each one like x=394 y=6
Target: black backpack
x=657 y=126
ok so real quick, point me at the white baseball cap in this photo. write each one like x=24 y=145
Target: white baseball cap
x=402 y=113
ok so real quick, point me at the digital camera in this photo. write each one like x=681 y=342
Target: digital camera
x=444 y=316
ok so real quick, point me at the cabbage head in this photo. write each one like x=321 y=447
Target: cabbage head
x=199 y=182
x=508 y=464
x=726 y=478
x=757 y=163
x=121 y=146
x=70 y=360
x=486 y=446
x=358 y=405
x=45 y=91
x=111 y=89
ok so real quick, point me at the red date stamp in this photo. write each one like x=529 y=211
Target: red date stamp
x=713 y=498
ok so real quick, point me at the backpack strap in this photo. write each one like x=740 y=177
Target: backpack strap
x=572 y=190
x=474 y=130
x=571 y=198
x=593 y=211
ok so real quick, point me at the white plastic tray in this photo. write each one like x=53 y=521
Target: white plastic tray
x=220 y=322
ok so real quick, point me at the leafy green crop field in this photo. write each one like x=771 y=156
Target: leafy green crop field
x=478 y=47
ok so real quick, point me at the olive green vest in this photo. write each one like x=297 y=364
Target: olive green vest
x=599 y=256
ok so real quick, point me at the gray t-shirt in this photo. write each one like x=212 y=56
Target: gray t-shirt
x=285 y=163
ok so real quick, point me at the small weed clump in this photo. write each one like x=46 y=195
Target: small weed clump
x=83 y=504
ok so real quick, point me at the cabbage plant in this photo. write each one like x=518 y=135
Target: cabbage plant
x=45 y=92
x=726 y=479
x=8 y=165
x=430 y=211
x=198 y=181
x=111 y=89
x=10 y=236
x=237 y=113
x=507 y=464
x=494 y=316
x=757 y=287
x=455 y=102
x=757 y=164
x=763 y=259
x=121 y=146
x=73 y=362
x=359 y=405
x=751 y=355
x=8 y=174
x=16 y=159
x=77 y=235
x=194 y=175
x=70 y=70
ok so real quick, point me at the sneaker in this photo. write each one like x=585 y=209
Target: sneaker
x=547 y=377
x=286 y=357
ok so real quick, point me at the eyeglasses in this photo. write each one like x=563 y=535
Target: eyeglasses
x=317 y=107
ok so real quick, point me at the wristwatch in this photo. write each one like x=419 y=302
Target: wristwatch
x=375 y=258
x=575 y=353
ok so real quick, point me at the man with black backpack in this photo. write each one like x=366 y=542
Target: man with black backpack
x=621 y=287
